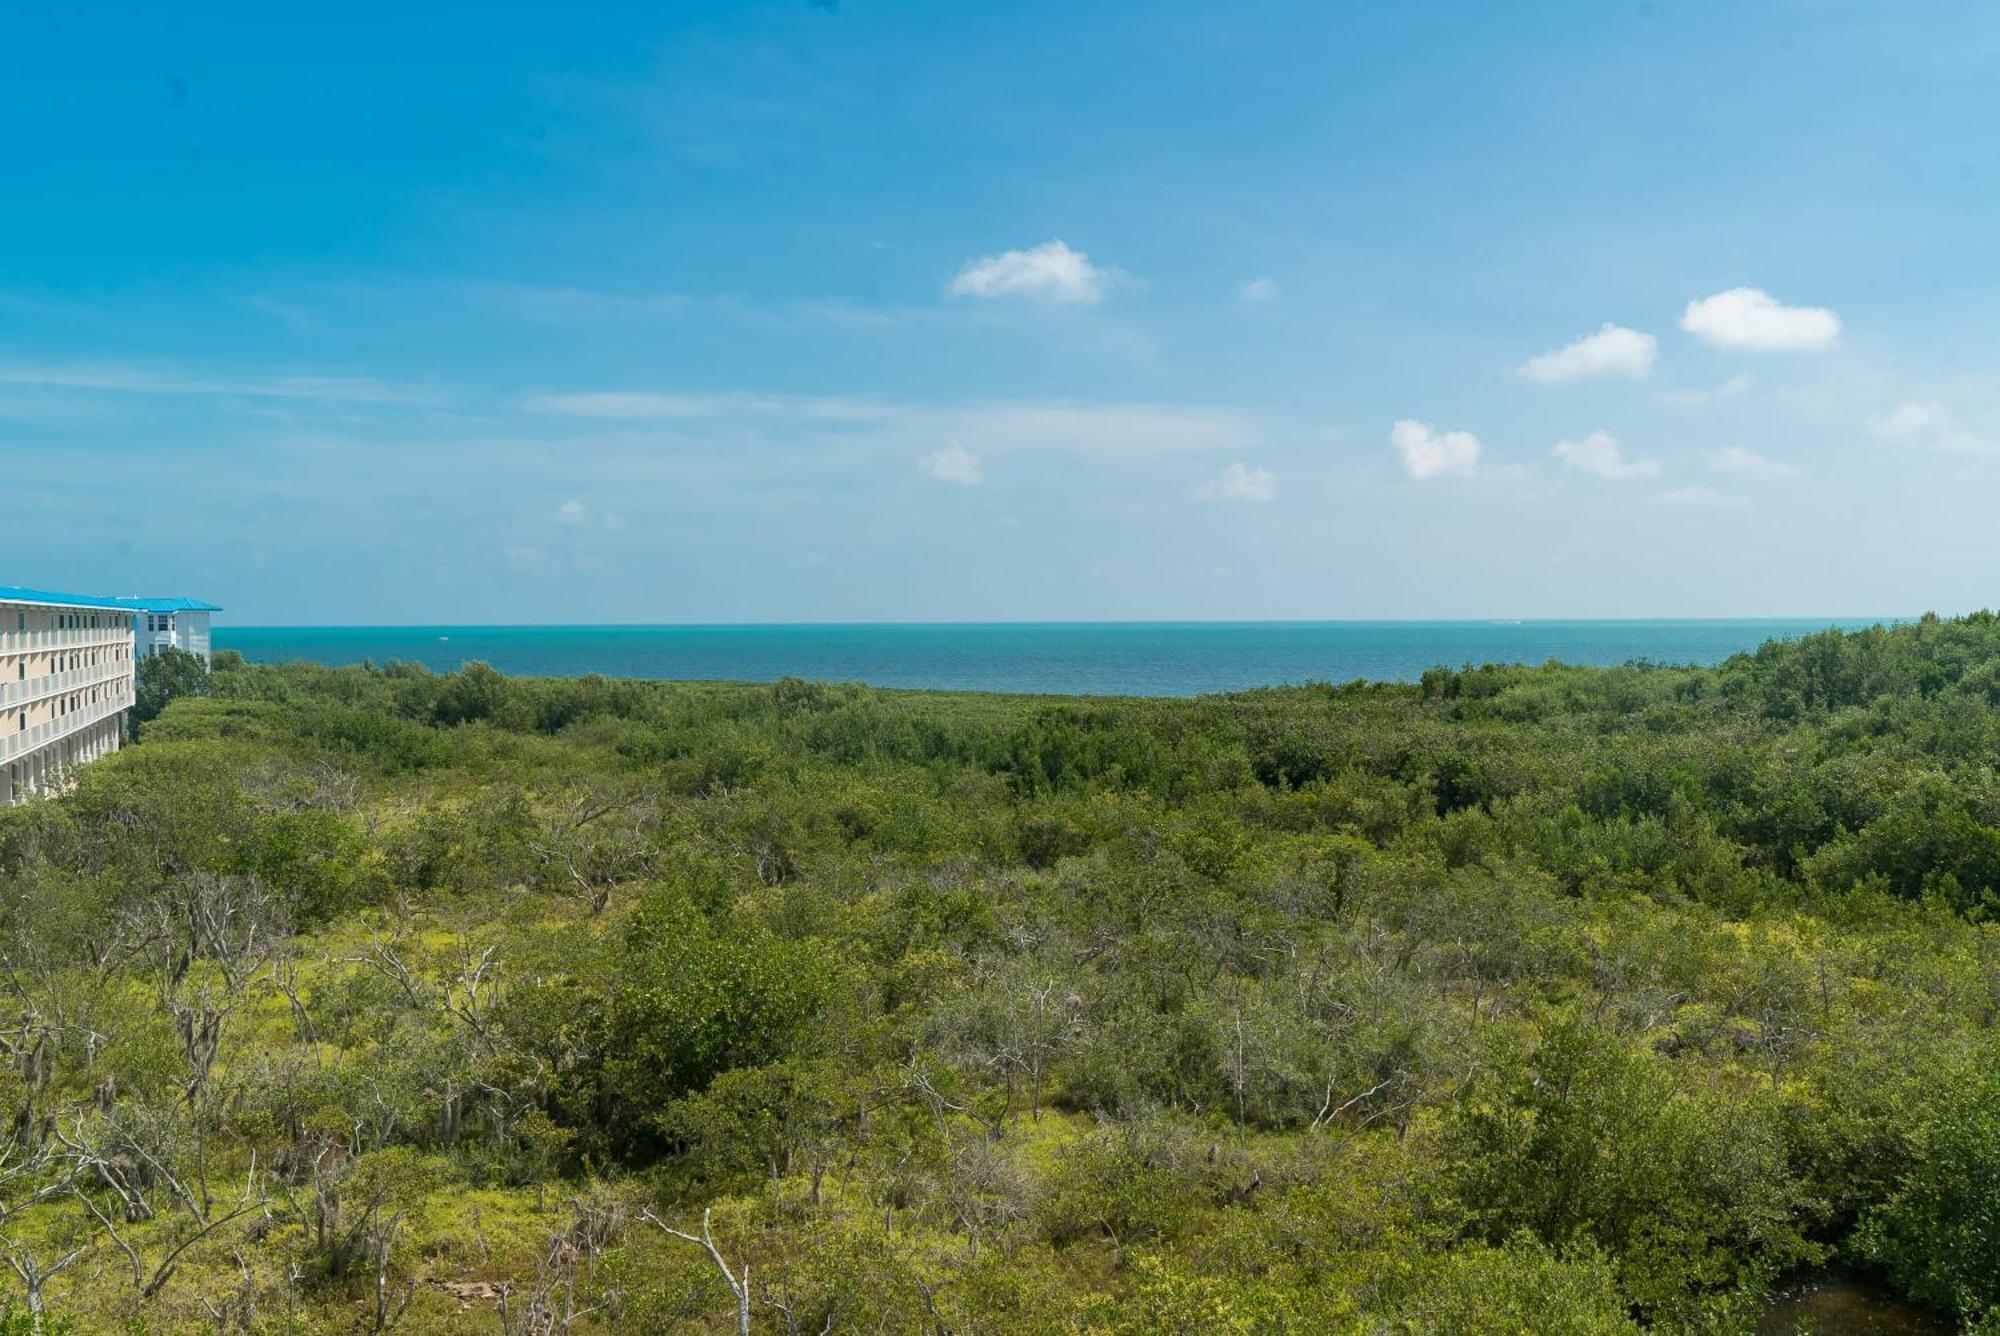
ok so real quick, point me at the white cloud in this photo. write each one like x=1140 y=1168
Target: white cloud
x=572 y=512
x=1612 y=351
x=953 y=463
x=1742 y=463
x=1932 y=425
x=1732 y=388
x=1600 y=453
x=1909 y=421
x=1428 y=453
x=1700 y=496
x=1259 y=290
x=1240 y=482
x=1050 y=272
x=1752 y=319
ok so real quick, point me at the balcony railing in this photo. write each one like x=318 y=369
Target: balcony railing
x=15 y=745
x=89 y=637
x=27 y=690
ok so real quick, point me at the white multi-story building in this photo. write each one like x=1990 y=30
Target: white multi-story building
x=177 y=623
x=66 y=665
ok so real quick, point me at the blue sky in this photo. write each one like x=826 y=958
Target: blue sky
x=901 y=311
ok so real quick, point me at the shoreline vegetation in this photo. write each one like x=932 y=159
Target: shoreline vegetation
x=1065 y=658
x=1553 y=999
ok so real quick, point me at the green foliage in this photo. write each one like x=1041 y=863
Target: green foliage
x=1517 y=999
x=764 y=1123
x=690 y=1002
x=1586 y=1139
x=1523 y=1285
x=165 y=676
x=17 y=1321
x=631 y=1025
x=1939 y=1228
x=320 y=863
x=1128 y=1185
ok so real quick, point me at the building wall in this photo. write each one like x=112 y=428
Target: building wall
x=184 y=630
x=192 y=633
x=66 y=680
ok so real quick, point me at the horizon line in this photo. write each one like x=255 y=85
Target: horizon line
x=1828 y=619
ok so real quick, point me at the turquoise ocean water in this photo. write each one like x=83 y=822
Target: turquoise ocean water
x=1117 y=658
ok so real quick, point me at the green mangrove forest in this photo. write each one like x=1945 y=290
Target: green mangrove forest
x=1519 y=999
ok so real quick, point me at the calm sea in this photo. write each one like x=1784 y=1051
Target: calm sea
x=1118 y=658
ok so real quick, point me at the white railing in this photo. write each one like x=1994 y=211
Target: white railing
x=32 y=642
x=18 y=744
x=25 y=690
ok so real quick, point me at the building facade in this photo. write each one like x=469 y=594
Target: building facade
x=177 y=623
x=66 y=681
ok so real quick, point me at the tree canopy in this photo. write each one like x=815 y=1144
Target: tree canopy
x=1520 y=998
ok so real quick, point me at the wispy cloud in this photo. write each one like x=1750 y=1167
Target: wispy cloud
x=1051 y=272
x=290 y=314
x=1930 y=424
x=524 y=560
x=1103 y=429
x=1751 y=319
x=1117 y=429
x=576 y=306
x=1696 y=396
x=1700 y=496
x=572 y=512
x=1600 y=453
x=985 y=429
x=1240 y=482
x=118 y=378
x=1908 y=421
x=1612 y=350
x=952 y=463
x=1968 y=443
x=1428 y=453
x=1742 y=463
x=643 y=405
x=1259 y=290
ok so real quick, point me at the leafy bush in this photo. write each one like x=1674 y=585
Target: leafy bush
x=1939 y=1230
x=1586 y=1140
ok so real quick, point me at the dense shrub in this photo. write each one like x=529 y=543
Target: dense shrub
x=1518 y=999
x=1939 y=1229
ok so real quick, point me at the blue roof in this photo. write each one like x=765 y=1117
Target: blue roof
x=16 y=594
x=168 y=604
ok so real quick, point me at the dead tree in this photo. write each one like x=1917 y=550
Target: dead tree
x=738 y=1286
x=552 y=1303
x=34 y=1275
x=600 y=840
x=125 y=1163
x=32 y=1173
